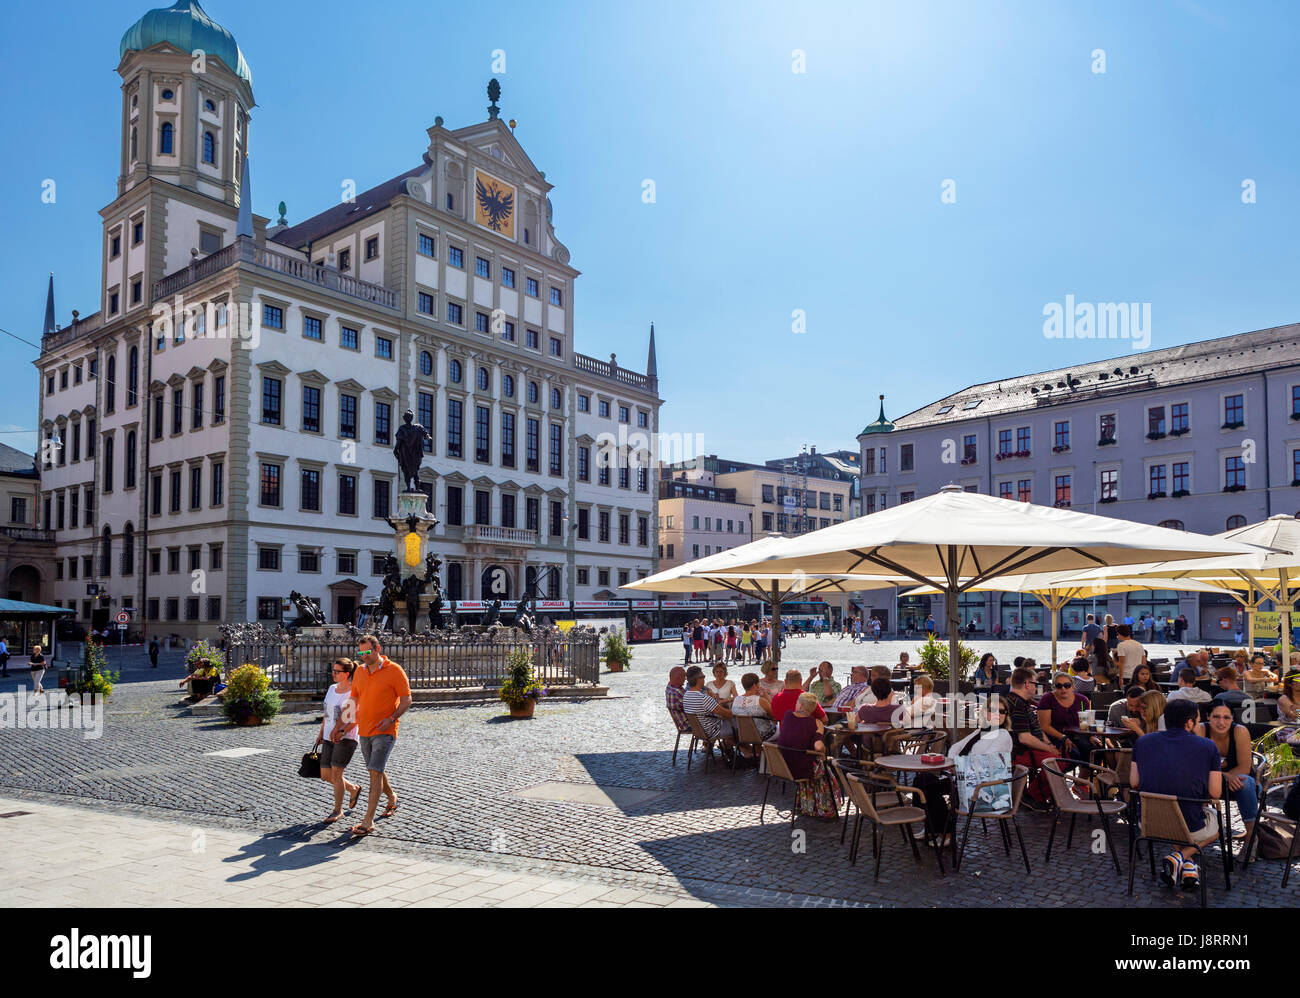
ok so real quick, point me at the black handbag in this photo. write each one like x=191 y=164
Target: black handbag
x=310 y=767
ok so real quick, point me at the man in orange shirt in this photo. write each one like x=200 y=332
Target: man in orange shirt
x=381 y=694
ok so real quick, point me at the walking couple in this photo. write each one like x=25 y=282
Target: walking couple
x=362 y=708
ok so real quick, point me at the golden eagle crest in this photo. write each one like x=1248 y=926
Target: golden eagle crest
x=496 y=204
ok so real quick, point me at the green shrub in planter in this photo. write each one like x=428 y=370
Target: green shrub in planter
x=521 y=683
x=616 y=651
x=249 y=695
x=934 y=656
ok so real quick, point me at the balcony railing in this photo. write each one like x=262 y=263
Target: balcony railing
x=246 y=251
x=78 y=329
x=500 y=535
x=610 y=369
x=28 y=534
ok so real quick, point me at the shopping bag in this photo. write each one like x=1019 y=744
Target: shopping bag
x=972 y=770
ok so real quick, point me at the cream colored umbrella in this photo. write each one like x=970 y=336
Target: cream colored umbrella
x=719 y=571
x=1271 y=571
x=956 y=540
x=1055 y=589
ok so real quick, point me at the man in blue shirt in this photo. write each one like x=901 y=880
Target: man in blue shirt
x=1232 y=694
x=1179 y=763
x=1091 y=630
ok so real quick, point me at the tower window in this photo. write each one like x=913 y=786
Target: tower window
x=168 y=95
x=166 y=138
x=208 y=105
x=209 y=148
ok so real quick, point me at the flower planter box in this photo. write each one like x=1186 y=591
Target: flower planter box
x=526 y=710
x=614 y=666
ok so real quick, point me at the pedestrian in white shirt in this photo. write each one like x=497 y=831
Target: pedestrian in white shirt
x=1130 y=653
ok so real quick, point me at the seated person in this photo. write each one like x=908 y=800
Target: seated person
x=859 y=683
x=877 y=672
x=1142 y=677
x=800 y=735
x=883 y=709
x=822 y=686
x=713 y=717
x=1257 y=676
x=1200 y=662
x=1083 y=681
x=994 y=736
x=986 y=673
x=720 y=687
x=1231 y=692
x=1187 y=688
x=202 y=672
x=1288 y=702
x=1179 y=763
x=1150 y=716
x=903 y=664
x=770 y=684
x=751 y=703
x=789 y=696
x=1030 y=748
x=1233 y=742
x=673 y=694
x=1059 y=711
x=920 y=713
x=1130 y=706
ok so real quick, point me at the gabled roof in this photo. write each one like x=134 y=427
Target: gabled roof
x=348 y=212
x=15 y=462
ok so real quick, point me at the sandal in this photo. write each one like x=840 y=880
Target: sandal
x=390 y=810
x=358 y=830
x=330 y=819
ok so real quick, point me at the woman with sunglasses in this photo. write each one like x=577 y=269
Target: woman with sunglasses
x=1058 y=712
x=993 y=736
x=338 y=737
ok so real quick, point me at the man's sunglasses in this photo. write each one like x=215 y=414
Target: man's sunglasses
x=364 y=651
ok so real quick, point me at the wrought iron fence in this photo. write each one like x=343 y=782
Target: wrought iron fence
x=436 y=660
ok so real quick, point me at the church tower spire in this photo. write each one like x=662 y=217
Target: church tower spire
x=49 y=307
x=652 y=363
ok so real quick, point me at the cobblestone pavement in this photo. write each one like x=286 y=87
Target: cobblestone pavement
x=461 y=773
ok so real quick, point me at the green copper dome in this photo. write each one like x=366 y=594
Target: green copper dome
x=187 y=26
x=881 y=425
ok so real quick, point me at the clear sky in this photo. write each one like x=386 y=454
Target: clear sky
x=775 y=190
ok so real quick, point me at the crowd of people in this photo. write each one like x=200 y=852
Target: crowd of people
x=1189 y=741
x=745 y=641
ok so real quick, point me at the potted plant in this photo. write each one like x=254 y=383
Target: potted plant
x=521 y=690
x=934 y=657
x=95 y=678
x=248 y=698
x=618 y=656
x=204 y=664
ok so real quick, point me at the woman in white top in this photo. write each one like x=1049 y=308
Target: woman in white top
x=722 y=688
x=920 y=713
x=990 y=740
x=338 y=737
x=752 y=702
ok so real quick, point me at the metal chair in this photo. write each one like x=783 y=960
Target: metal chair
x=1018 y=780
x=1275 y=817
x=914 y=741
x=699 y=737
x=863 y=788
x=680 y=731
x=778 y=768
x=1064 y=802
x=1162 y=820
x=747 y=735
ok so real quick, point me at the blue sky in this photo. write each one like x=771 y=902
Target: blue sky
x=776 y=191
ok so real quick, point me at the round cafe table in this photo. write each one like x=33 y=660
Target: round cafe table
x=864 y=728
x=1107 y=732
x=911 y=764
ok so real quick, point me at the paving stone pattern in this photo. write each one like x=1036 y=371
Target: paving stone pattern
x=459 y=772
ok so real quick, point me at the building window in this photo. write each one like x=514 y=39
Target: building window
x=308 y=561
x=556 y=399
x=270 y=484
x=482 y=268
x=602 y=409
x=970 y=453
x=556 y=450
x=454 y=427
x=424 y=413
x=310 y=499
x=348 y=338
x=454 y=372
x=584 y=524
x=166 y=139
x=557 y=348
x=174 y=482
x=214 y=557
x=508 y=332
x=557 y=296
x=1234 y=473
x=584 y=403
x=507 y=277
x=1178 y=418
x=426 y=246
x=1172 y=524
x=643 y=531
x=272 y=317
x=1107 y=427
x=271 y=390
x=348 y=495
x=1236 y=522
x=196 y=407
x=1234 y=413
x=602 y=527
x=382 y=502
x=345 y=260
x=1061 y=435
x=1155 y=422
x=311 y=327
x=507 y=440
x=623 y=414
x=1023 y=490
x=310 y=409
x=507 y=510
x=219 y=399
x=531 y=287
x=1157 y=481
x=218 y=482
x=482 y=434
x=1110 y=485
x=383 y=348
x=372 y=248
x=456 y=257
x=178 y=411
x=196 y=487
x=481 y=322
x=383 y=422
x=424 y=302
x=906 y=458
x=348 y=417
x=624 y=529
x=268 y=560
x=1182 y=478
x=1004 y=441
x=532 y=460
x=455 y=506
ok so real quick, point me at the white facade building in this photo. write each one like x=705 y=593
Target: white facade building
x=228 y=416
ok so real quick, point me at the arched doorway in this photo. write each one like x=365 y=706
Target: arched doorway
x=24 y=583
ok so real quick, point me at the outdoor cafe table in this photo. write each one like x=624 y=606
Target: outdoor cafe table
x=1107 y=732
x=911 y=764
x=838 y=731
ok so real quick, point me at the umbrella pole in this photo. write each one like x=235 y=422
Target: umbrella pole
x=954 y=644
x=1285 y=619
x=776 y=626
x=1052 y=610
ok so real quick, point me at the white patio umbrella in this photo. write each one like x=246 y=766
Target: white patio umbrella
x=719 y=571
x=1270 y=571
x=956 y=540
x=1055 y=589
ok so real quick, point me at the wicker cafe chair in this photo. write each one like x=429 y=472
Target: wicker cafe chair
x=1162 y=821
x=700 y=737
x=839 y=768
x=863 y=787
x=680 y=731
x=914 y=741
x=779 y=769
x=1018 y=780
x=1064 y=802
x=747 y=735
x=1276 y=817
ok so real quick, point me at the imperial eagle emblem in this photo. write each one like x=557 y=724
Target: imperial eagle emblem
x=495 y=203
